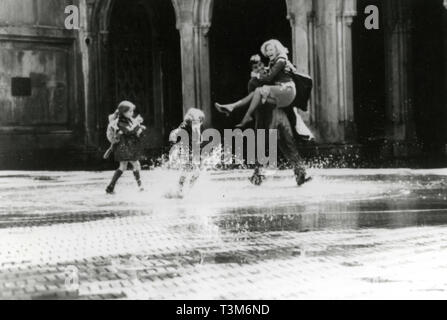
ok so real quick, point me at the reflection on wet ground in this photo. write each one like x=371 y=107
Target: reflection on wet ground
x=225 y=239
x=320 y=217
x=37 y=220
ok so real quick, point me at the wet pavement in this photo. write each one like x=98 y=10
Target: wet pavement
x=347 y=234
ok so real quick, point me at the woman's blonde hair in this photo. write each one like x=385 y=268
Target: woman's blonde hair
x=275 y=43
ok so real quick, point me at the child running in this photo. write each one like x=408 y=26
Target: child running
x=192 y=124
x=126 y=142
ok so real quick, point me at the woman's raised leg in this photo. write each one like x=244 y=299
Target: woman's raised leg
x=228 y=108
x=255 y=103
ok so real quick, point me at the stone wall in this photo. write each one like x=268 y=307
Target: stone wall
x=39 y=88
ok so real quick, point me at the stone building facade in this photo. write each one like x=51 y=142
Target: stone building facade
x=386 y=87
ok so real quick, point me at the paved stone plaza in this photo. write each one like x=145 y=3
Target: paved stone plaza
x=347 y=234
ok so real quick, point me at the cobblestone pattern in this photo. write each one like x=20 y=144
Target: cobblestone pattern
x=101 y=249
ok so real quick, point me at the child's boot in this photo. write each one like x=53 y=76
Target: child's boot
x=111 y=187
x=138 y=179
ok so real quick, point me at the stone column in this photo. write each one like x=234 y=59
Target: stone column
x=187 y=36
x=298 y=12
x=333 y=54
x=445 y=68
x=87 y=47
x=85 y=41
x=400 y=127
x=194 y=22
x=95 y=40
x=203 y=74
x=346 y=12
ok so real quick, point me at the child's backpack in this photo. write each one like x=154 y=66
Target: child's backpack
x=112 y=131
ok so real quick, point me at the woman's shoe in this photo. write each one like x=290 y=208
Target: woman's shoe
x=223 y=109
x=245 y=122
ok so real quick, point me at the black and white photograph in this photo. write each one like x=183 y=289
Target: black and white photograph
x=223 y=150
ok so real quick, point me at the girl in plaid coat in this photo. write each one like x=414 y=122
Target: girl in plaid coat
x=127 y=147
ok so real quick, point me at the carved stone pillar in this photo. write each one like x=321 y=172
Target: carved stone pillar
x=445 y=67
x=85 y=41
x=203 y=73
x=97 y=33
x=194 y=22
x=298 y=12
x=400 y=126
x=347 y=11
x=187 y=36
x=334 y=103
x=313 y=69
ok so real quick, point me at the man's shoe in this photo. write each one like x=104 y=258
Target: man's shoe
x=257 y=178
x=300 y=176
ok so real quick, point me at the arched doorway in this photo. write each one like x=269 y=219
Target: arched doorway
x=130 y=58
x=143 y=65
x=238 y=30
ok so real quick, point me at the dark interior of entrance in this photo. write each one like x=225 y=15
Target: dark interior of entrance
x=239 y=28
x=130 y=57
x=369 y=76
x=429 y=74
x=144 y=64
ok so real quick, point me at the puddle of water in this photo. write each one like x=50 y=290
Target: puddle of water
x=315 y=217
x=38 y=220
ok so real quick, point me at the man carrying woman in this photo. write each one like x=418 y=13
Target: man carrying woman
x=276 y=91
x=276 y=86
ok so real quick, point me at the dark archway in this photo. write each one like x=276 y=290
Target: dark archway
x=368 y=50
x=130 y=60
x=429 y=74
x=238 y=30
x=144 y=64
